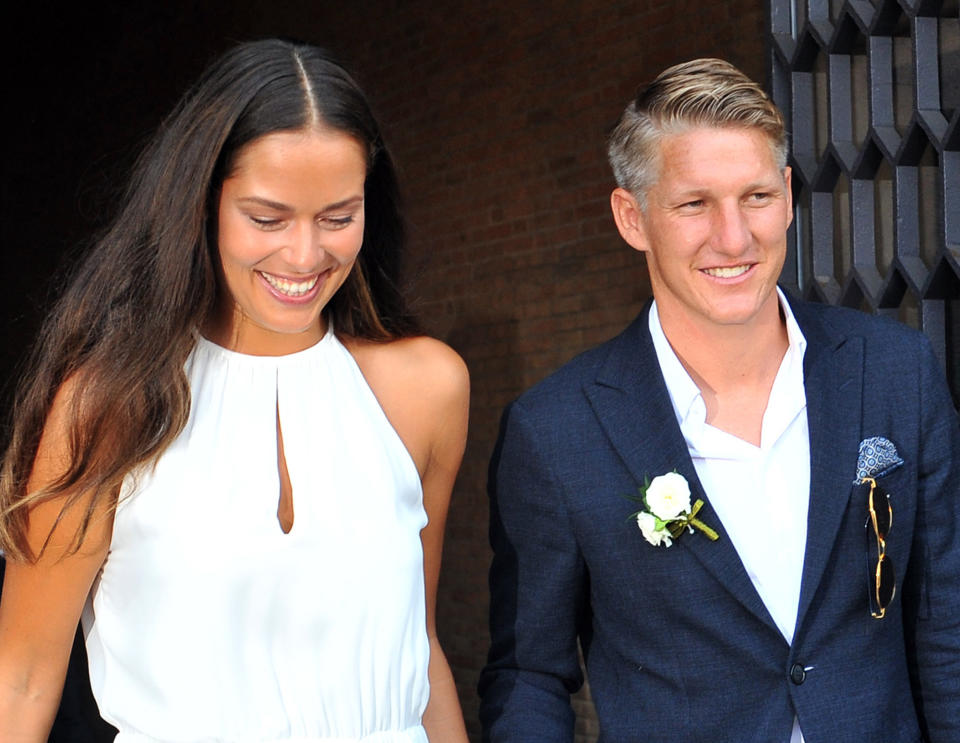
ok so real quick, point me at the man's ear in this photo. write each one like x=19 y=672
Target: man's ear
x=629 y=218
x=787 y=173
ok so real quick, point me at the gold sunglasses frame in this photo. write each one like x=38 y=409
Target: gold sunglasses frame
x=881 y=549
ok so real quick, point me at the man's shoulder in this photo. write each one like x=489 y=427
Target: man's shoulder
x=566 y=383
x=841 y=323
x=568 y=378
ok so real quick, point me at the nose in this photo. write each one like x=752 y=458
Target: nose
x=305 y=248
x=731 y=229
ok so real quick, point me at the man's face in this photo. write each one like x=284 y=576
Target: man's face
x=714 y=227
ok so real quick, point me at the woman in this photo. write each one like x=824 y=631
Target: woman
x=234 y=454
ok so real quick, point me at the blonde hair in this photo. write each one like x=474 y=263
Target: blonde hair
x=703 y=92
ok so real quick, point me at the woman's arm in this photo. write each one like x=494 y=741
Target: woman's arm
x=41 y=602
x=424 y=389
x=449 y=406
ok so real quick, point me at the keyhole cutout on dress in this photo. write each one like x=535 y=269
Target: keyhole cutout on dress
x=285 y=505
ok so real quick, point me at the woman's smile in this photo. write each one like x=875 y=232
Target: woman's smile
x=291 y=288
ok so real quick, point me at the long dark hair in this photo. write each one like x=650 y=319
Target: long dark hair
x=122 y=330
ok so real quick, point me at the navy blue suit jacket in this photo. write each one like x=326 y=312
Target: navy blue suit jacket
x=677 y=642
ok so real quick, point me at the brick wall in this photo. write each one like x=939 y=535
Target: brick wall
x=498 y=115
x=496 y=111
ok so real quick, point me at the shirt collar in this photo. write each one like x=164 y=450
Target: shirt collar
x=684 y=394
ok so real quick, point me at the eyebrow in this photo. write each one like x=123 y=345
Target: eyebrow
x=281 y=207
x=700 y=191
x=766 y=185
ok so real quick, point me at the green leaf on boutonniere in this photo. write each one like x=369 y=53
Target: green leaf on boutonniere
x=691 y=522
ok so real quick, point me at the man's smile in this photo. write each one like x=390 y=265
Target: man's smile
x=728 y=272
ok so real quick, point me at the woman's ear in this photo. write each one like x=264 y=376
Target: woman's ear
x=629 y=218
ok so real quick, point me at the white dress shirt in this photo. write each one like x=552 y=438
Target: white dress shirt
x=761 y=492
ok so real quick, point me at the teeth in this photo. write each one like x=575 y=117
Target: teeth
x=290 y=288
x=727 y=272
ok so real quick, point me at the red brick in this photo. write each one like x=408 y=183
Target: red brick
x=497 y=115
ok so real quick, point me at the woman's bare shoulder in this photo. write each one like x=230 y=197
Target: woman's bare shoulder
x=410 y=364
x=424 y=389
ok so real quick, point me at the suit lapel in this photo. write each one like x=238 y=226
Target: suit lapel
x=833 y=379
x=631 y=402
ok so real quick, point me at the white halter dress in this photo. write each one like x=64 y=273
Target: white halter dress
x=209 y=623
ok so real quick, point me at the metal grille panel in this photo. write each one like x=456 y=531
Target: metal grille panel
x=871 y=93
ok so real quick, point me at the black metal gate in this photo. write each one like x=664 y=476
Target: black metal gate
x=871 y=93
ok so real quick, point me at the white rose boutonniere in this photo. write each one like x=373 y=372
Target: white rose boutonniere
x=667 y=512
x=668 y=496
x=651 y=532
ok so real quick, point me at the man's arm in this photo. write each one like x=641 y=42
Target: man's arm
x=538 y=593
x=931 y=599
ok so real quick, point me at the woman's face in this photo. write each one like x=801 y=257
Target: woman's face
x=290 y=225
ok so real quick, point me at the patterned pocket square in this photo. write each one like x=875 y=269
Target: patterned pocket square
x=877 y=457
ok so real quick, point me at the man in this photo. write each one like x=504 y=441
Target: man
x=786 y=598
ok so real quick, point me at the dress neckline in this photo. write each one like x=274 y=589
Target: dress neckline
x=254 y=359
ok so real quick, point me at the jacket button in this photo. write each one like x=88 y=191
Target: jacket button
x=797 y=674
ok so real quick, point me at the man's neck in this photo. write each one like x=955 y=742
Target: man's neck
x=733 y=365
